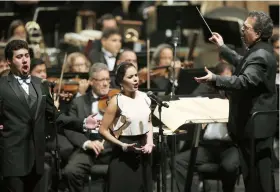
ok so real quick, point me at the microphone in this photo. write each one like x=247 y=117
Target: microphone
x=156 y=99
x=50 y=84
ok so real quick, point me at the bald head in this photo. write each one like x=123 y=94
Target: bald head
x=128 y=56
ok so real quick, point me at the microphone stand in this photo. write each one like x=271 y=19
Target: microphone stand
x=57 y=150
x=161 y=167
x=175 y=44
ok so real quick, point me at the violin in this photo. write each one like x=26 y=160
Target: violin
x=103 y=101
x=67 y=85
x=161 y=71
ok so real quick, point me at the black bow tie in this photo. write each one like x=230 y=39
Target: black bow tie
x=26 y=80
x=93 y=99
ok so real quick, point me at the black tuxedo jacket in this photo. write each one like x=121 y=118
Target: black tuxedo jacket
x=96 y=56
x=252 y=88
x=80 y=108
x=22 y=140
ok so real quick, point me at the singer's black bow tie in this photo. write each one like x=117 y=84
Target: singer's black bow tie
x=22 y=80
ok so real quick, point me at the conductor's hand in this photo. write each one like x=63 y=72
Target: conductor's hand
x=92 y=122
x=206 y=78
x=96 y=146
x=217 y=39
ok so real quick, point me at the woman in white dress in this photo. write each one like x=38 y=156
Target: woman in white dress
x=126 y=124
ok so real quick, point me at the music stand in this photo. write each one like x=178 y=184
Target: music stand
x=6 y=19
x=187 y=75
x=274 y=14
x=56 y=72
x=229 y=30
x=178 y=16
x=55 y=22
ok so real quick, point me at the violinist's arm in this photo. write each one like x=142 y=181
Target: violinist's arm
x=108 y=120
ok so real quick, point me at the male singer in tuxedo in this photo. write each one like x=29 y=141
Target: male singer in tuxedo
x=252 y=88
x=25 y=103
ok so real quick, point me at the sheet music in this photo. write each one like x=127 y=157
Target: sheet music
x=194 y=110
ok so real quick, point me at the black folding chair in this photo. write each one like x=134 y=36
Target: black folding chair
x=253 y=147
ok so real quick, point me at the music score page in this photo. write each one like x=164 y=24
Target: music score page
x=194 y=110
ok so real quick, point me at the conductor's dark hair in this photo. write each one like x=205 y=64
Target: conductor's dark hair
x=14 y=45
x=121 y=70
x=263 y=25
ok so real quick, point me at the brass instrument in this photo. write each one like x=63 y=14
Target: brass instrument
x=131 y=35
x=130 y=30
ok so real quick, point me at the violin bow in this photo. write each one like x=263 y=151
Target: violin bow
x=148 y=65
x=61 y=75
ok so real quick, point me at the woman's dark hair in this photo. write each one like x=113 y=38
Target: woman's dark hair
x=13 y=26
x=121 y=70
x=263 y=25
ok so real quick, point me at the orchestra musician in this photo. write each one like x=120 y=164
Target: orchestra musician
x=3 y=65
x=106 y=21
x=252 y=89
x=133 y=135
x=24 y=105
x=163 y=57
x=127 y=55
x=17 y=29
x=111 y=41
x=77 y=63
x=87 y=151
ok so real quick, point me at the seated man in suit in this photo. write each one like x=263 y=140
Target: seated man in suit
x=111 y=41
x=88 y=152
x=216 y=146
